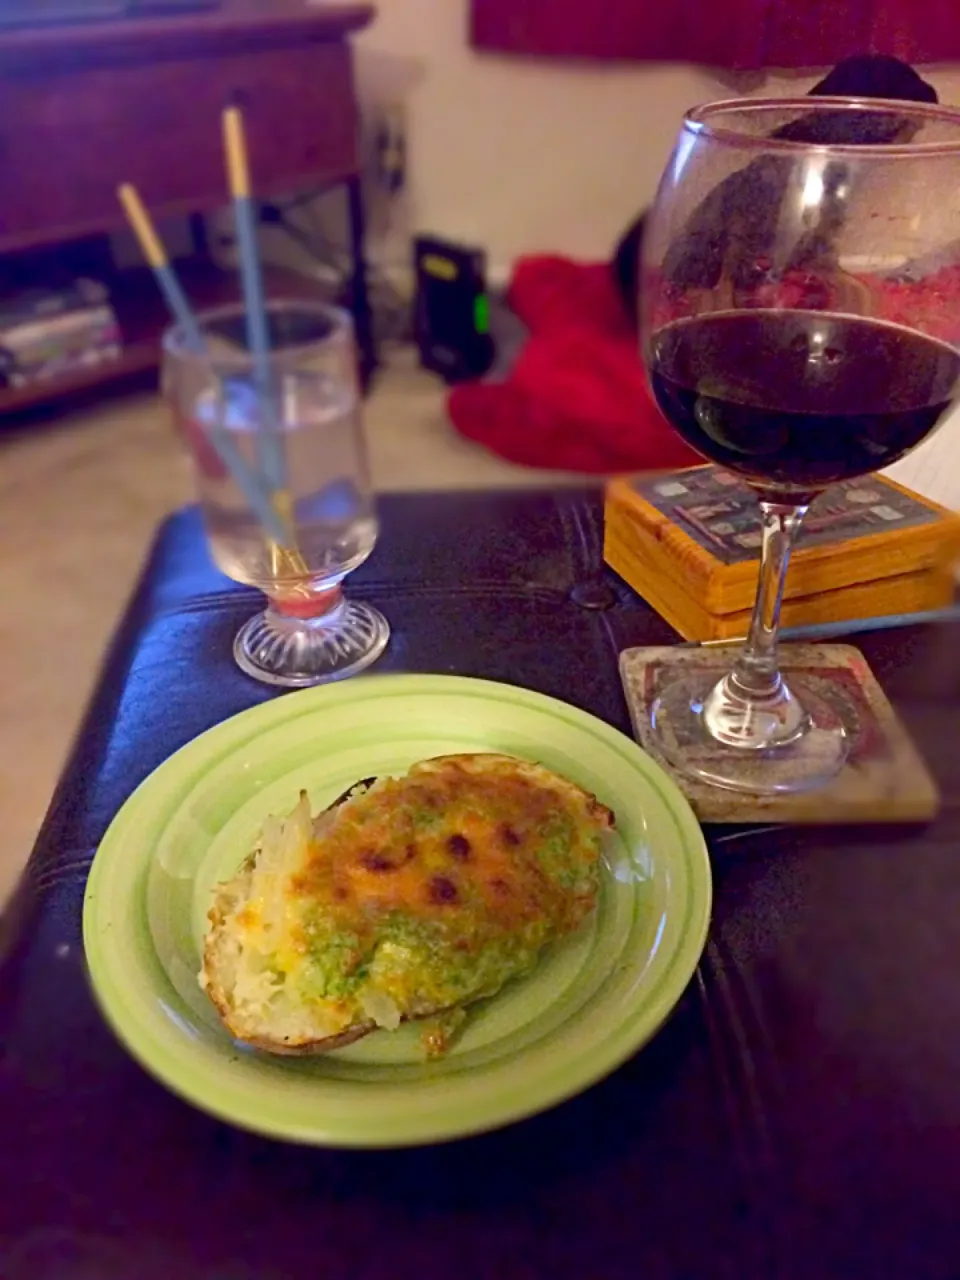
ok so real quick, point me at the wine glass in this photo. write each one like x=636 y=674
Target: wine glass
x=283 y=482
x=793 y=333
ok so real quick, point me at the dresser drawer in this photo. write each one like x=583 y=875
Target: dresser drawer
x=69 y=136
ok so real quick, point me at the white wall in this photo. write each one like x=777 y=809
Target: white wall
x=523 y=155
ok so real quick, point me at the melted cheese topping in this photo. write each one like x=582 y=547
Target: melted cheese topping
x=488 y=851
x=432 y=890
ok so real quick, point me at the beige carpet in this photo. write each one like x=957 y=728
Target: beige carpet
x=80 y=496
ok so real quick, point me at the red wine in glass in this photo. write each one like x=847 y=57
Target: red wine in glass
x=796 y=400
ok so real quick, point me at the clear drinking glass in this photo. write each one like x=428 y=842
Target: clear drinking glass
x=283 y=483
x=796 y=331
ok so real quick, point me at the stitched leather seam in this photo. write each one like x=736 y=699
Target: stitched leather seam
x=50 y=873
x=224 y=600
x=581 y=536
x=747 y=1067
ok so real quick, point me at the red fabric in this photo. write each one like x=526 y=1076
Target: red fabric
x=577 y=397
x=932 y=304
x=736 y=33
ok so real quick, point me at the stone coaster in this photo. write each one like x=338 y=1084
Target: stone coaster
x=883 y=780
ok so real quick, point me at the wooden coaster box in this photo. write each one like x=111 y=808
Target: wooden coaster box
x=688 y=542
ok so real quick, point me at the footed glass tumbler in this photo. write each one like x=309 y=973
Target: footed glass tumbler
x=283 y=482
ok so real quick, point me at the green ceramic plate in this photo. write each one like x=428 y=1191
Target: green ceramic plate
x=590 y=1003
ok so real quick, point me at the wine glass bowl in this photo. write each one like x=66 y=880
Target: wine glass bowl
x=789 y=336
x=283 y=483
x=794 y=400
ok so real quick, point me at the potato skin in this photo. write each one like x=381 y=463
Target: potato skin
x=228 y=894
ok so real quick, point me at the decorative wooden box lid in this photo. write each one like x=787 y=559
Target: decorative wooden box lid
x=698 y=531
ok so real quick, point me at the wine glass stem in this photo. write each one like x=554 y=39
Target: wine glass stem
x=756 y=673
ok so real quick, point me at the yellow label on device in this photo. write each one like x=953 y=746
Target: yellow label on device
x=434 y=265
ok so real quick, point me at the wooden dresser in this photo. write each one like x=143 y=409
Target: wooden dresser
x=86 y=106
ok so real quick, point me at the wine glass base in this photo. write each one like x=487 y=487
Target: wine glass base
x=296 y=653
x=813 y=755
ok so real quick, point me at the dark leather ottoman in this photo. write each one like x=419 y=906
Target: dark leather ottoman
x=799 y=1116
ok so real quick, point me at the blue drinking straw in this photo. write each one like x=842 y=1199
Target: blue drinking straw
x=180 y=309
x=258 y=338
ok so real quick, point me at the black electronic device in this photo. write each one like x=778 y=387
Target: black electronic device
x=452 y=315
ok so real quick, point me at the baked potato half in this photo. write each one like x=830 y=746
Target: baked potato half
x=408 y=898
